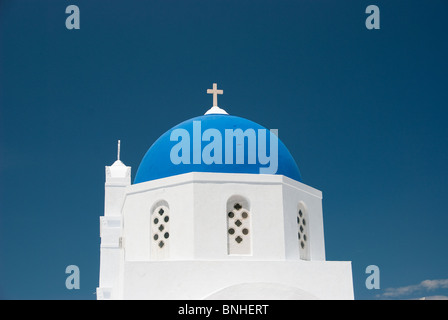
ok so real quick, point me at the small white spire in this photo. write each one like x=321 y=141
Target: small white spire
x=118 y=161
x=118 y=151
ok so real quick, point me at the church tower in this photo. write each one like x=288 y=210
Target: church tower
x=118 y=177
x=217 y=210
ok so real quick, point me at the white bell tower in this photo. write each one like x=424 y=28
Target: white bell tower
x=118 y=177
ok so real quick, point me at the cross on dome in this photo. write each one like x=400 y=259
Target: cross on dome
x=215 y=109
x=215 y=93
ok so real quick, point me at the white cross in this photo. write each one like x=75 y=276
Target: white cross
x=215 y=93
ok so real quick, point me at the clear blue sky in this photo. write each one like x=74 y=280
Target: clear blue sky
x=362 y=111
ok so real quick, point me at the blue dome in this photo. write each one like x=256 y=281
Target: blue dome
x=157 y=162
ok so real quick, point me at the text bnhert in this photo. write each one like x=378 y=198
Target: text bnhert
x=225 y=309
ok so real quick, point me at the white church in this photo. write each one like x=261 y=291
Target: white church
x=204 y=228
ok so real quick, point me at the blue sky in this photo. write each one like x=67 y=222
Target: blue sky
x=363 y=112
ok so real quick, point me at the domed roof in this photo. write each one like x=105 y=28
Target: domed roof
x=157 y=162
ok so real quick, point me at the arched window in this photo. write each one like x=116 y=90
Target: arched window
x=160 y=226
x=238 y=226
x=302 y=231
